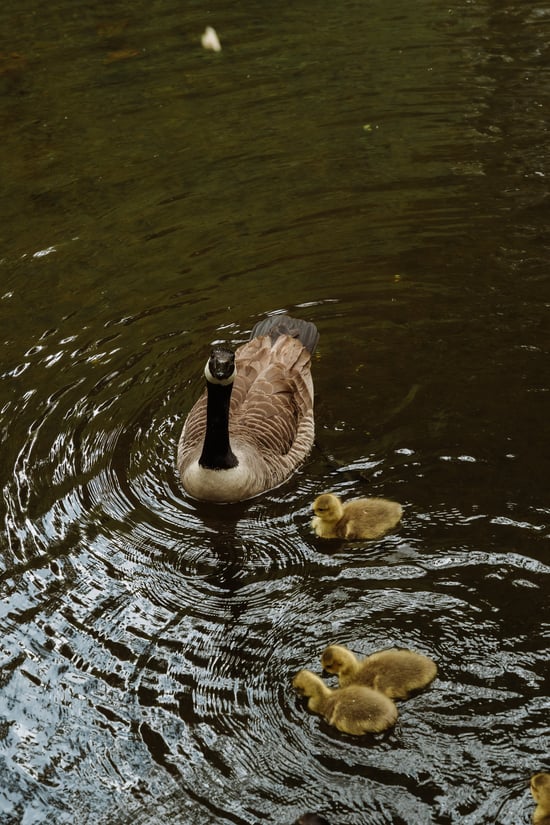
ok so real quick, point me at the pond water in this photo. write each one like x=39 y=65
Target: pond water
x=379 y=168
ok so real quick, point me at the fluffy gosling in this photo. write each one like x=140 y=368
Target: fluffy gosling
x=540 y=788
x=394 y=672
x=363 y=518
x=356 y=709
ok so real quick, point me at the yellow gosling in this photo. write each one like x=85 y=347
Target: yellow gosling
x=540 y=788
x=394 y=672
x=355 y=710
x=363 y=518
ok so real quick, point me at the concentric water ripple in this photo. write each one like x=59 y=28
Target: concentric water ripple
x=166 y=630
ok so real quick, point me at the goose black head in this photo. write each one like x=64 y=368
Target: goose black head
x=220 y=367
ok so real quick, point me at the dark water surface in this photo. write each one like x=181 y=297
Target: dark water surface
x=380 y=168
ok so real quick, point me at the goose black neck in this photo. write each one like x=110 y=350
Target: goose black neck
x=216 y=450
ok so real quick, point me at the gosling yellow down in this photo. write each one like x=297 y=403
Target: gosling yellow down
x=356 y=709
x=363 y=518
x=540 y=788
x=393 y=672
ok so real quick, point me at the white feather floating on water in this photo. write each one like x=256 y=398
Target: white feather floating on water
x=210 y=40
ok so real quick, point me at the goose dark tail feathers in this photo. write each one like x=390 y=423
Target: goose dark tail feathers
x=276 y=325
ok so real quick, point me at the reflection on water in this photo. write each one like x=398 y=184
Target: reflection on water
x=382 y=171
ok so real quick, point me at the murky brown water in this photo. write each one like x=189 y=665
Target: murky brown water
x=381 y=169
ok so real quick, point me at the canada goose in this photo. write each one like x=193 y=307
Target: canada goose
x=311 y=819
x=355 y=709
x=364 y=518
x=393 y=672
x=254 y=423
x=540 y=788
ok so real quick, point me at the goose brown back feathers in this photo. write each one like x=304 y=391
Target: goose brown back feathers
x=270 y=415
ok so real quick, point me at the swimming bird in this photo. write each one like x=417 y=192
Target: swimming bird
x=363 y=518
x=355 y=709
x=540 y=788
x=253 y=425
x=394 y=672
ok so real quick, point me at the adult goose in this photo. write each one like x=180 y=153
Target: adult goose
x=254 y=424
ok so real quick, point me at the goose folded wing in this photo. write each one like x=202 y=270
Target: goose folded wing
x=271 y=413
